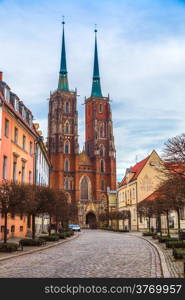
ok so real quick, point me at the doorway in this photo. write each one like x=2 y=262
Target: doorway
x=91 y=220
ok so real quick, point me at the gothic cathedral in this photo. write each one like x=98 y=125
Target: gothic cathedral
x=85 y=176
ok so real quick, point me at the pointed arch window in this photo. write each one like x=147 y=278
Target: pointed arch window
x=101 y=131
x=104 y=129
x=102 y=185
x=67 y=147
x=67 y=107
x=67 y=128
x=66 y=184
x=84 y=189
x=100 y=108
x=102 y=165
x=66 y=165
x=102 y=150
x=110 y=130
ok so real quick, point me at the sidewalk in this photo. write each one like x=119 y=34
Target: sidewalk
x=175 y=267
x=33 y=249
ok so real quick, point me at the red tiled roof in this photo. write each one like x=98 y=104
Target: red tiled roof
x=136 y=170
x=175 y=167
x=138 y=167
x=153 y=196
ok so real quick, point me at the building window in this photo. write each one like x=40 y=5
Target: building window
x=133 y=193
x=5 y=161
x=66 y=147
x=67 y=108
x=102 y=150
x=23 y=173
x=21 y=228
x=13 y=228
x=140 y=218
x=2 y=228
x=21 y=216
x=6 y=130
x=67 y=128
x=30 y=177
x=16 y=104
x=100 y=108
x=84 y=189
x=66 y=184
x=7 y=94
x=102 y=185
x=66 y=165
x=16 y=135
x=24 y=142
x=14 y=169
x=101 y=131
x=102 y=165
x=31 y=148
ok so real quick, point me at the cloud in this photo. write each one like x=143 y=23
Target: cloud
x=141 y=48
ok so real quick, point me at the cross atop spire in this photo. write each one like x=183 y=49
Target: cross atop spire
x=96 y=86
x=63 y=80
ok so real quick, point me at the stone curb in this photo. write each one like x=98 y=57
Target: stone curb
x=40 y=249
x=165 y=271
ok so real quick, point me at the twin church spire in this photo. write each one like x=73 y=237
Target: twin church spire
x=96 y=86
x=63 y=79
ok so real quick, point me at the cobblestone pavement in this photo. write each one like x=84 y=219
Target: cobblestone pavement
x=95 y=253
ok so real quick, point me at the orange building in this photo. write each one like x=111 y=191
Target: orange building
x=85 y=176
x=17 y=150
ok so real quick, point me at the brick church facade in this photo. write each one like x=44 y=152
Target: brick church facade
x=85 y=176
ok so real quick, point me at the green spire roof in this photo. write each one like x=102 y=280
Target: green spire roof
x=96 y=86
x=63 y=81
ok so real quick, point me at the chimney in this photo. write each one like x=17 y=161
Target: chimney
x=1 y=75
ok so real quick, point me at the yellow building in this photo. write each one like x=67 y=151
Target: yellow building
x=112 y=205
x=138 y=183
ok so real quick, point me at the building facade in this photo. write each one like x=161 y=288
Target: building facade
x=139 y=182
x=42 y=173
x=16 y=150
x=86 y=175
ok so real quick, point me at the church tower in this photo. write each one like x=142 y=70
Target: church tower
x=99 y=144
x=63 y=130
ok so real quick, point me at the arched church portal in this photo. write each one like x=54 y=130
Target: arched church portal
x=91 y=220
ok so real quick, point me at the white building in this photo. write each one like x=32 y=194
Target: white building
x=42 y=170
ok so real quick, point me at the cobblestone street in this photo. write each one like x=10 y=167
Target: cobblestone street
x=94 y=254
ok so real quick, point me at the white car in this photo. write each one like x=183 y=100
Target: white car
x=75 y=227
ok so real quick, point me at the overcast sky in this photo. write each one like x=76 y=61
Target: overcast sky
x=141 y=46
